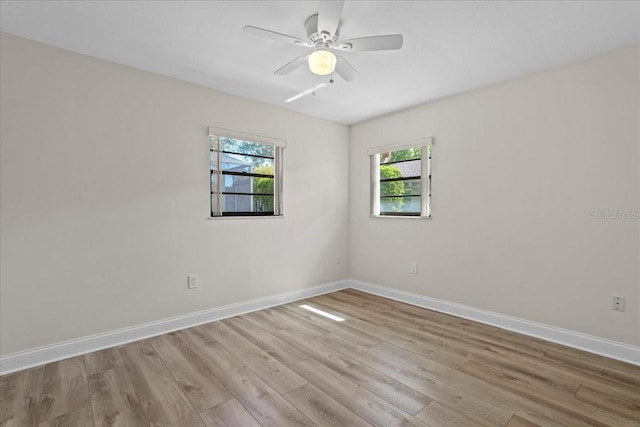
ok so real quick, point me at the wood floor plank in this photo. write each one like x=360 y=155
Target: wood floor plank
x=274 y=346
x=442 y=319
x=436 y=323
x=393 y=391
x=359 y=400
x=210 y=351
x=65 y=388
x=322 y=409
x=100 y=361
x=557 y=376
x=114 y=402
x=272 y=320
x=573 y=352
x=480 y=338
x=558 y=401
x=530 y=371
x=80 y=418
x=458 y=344
x=472 y=406
x=534 y=381
x=20 y=398
x=519 y=338
x=266 y=405
x=331 y=310
x=264 y=321
x=436 y=414
x=517 y=421
x=523 y=365
x=353 y=311
x=451 y=357
x=361 y=321
x=592 y=369
x=162 y=399
x=303 y=327
x=340 y=328
x=609 y=403
x=497 y=395
x=228 y=414
x=405 y=313
x=270 y=370
x=373 y=301
x=194 y=377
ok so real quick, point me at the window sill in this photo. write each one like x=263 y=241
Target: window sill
x=216 y=218
x=400 y=217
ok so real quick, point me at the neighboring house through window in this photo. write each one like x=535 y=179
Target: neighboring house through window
x=401 y=179
x=246 y=174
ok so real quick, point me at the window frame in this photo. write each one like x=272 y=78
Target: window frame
x=426 y=152
x=217 y=191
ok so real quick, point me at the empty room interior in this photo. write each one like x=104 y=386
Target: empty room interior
x=332 y=213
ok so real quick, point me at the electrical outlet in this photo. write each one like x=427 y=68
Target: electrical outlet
x=618 y=304
x=192 y=281
x=338 y=259
x=413 y=268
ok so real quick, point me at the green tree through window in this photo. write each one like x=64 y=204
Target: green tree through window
x=263 y=186
x=408 y=154
x=392 y=188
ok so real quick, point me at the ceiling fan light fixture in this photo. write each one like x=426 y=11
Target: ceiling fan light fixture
x=322 y=62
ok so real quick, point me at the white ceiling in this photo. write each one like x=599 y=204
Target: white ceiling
x=449 y=47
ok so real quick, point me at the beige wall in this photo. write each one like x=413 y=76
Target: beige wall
x=517 y=167
x=105 y=196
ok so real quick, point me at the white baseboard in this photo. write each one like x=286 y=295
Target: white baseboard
x=51 y=353
x=612 y=349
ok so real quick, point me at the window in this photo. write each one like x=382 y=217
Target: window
x=246 y=175
x=401 y=179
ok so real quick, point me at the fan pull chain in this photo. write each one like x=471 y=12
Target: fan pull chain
x=332 y=70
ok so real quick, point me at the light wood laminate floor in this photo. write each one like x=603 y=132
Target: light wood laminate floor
x=386 y=364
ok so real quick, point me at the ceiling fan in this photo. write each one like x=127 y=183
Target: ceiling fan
x=323 y=37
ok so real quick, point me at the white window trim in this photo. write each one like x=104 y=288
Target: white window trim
x=401 y=145
x=425 y=177
x=278 y=143
x=245 y=136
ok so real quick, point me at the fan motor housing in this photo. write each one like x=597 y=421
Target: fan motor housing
x=311 y=27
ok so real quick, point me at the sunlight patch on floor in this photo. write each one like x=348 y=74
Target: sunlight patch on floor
x=322 y=313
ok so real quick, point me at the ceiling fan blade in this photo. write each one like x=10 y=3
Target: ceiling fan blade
x=293 y=65
x=388 y=42
x=261 y=32
x=346 y=70
x=329 y=14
